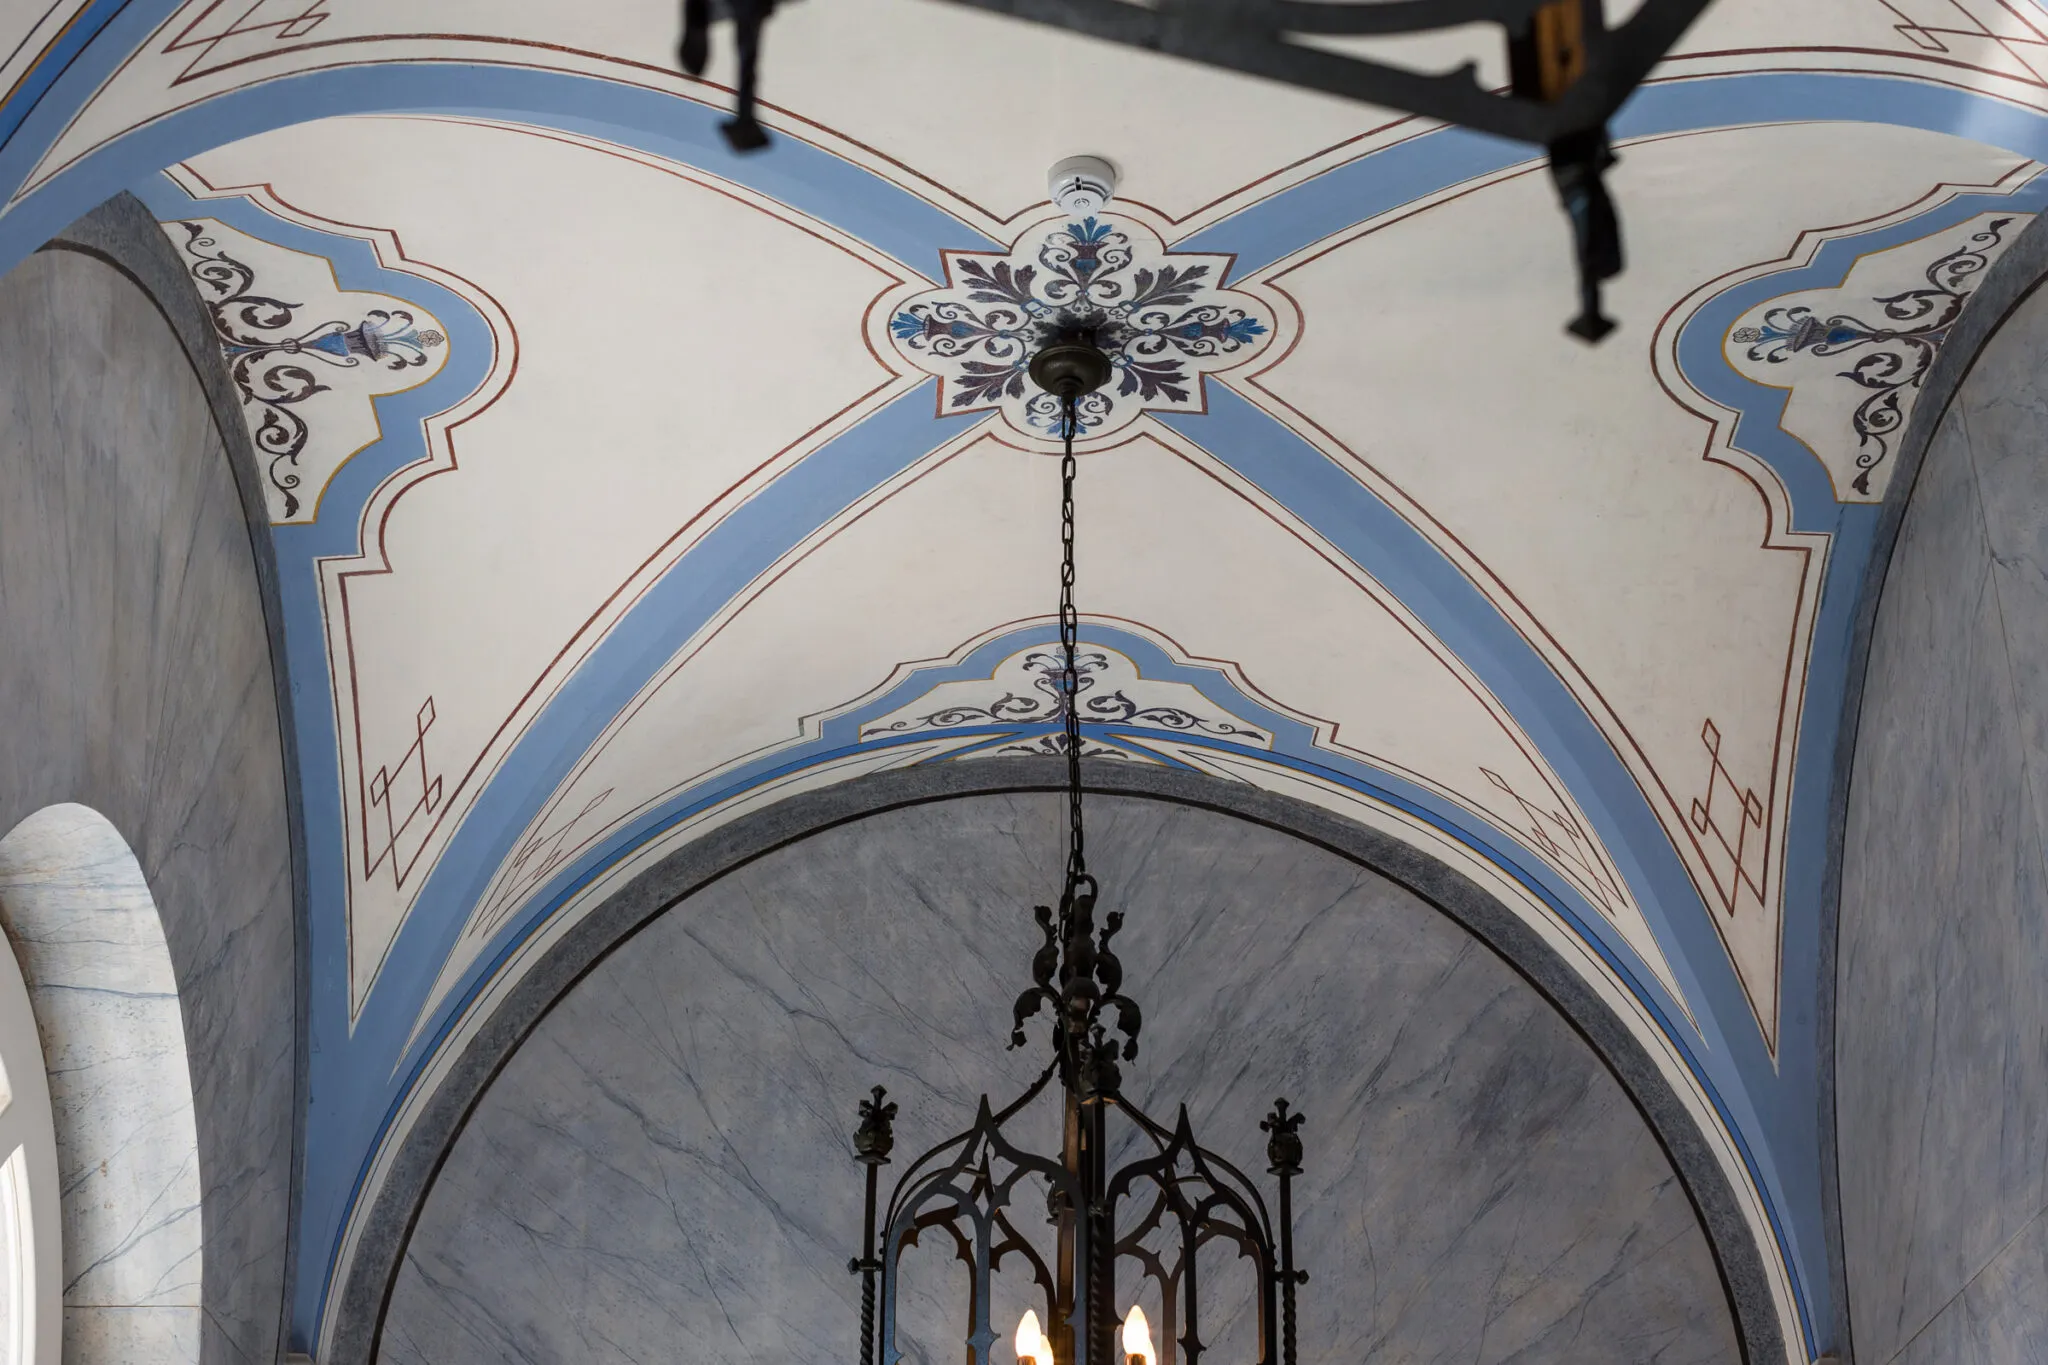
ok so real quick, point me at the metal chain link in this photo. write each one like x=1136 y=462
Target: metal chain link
x=1070 y=630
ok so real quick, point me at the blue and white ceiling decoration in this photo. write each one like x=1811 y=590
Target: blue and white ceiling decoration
x=1163 y=317
x=620 y=485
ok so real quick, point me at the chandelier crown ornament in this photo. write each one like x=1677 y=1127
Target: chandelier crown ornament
x=1157 y=1211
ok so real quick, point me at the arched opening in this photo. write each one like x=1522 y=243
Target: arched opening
x=95 y=1029
x=664 y=1156
x=31 y=1284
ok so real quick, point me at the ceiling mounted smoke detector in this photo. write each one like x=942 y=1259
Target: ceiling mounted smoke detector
x=1081 y=184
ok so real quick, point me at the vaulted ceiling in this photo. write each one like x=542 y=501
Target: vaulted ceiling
x=620 y=485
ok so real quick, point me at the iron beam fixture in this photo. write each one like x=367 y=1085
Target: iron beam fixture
x=976 y=1194
x=743 y=131
x=1567 y=74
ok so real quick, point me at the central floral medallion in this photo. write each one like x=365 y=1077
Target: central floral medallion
x=1163 y=317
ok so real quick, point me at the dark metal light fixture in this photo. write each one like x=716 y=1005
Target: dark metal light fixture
x=979 y=1193
x=743 y=131
x=1567 y=74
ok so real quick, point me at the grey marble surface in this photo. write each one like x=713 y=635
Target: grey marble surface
x=1993 y=298
x=135 y=675
x=1942 y=985
x=660 y=1170
x=1997 y=1318
x=86 y=934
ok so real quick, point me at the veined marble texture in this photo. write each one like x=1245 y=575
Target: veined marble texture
x=136 y=679
x=662 y=1170
x=85 y=930
x=1942 y=978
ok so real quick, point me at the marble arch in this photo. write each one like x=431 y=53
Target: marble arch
x=490 y=1040
x=83 y=927
x=1590 y=624
x=31 y=1227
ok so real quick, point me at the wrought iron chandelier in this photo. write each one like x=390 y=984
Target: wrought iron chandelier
x=1156 y=1212
x=1568 y=73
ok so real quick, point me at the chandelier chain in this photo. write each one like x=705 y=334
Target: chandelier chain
x=1070 y=631
x=970 y=1183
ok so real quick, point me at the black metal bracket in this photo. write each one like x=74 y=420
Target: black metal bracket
x=743 y=131
x=1569 y=73
x=1260 y=38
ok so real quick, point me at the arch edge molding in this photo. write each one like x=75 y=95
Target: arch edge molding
x=382 y=1228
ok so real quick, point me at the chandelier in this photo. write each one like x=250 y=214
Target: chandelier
x=982 y=1195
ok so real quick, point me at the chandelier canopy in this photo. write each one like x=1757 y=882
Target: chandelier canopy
x=1154 y=1214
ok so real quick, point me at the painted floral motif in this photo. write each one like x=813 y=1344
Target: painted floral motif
x=271 y=352
x=1161 y=315
x=1045 y=704
x=1054 y=745
x=1892 y=356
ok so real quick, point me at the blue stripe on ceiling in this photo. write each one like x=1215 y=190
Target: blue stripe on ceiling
x=1347 y=516
x=51 y=65
x=859 y=202
x=1293 y=219
x=357 y=1072
x=1294 y=749
x=355 y=1089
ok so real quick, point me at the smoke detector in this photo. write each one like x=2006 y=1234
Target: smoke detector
x=1081 y=184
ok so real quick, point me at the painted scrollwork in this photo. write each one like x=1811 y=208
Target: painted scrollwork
x=1045 y=706
x=1893 y=356
x=1162 y=316
x=276 y=360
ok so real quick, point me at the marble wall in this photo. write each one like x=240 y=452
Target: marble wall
x=1942 y=964
x=85 y=931
x=660 y=1171
x=136 y=679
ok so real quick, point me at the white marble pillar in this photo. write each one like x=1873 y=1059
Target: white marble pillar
x=85 y=930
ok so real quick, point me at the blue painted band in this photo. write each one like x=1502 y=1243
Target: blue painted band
x=1721 y=101
x=804 y=177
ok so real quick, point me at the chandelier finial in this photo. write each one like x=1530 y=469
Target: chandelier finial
x=1283 y=1145
x=876 y=1136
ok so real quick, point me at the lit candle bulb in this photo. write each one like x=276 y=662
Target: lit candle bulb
x=1031 y=1343
x=1138 y=1339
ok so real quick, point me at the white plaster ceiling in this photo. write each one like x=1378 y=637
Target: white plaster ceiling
x=663 y=502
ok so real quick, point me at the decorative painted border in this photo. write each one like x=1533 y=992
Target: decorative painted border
x=440 y=1102
x=1718 y=101
x=315 y=557
x=1748 y=413
x=1266 y=726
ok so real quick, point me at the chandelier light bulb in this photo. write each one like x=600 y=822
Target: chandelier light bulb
x=1138 y=1339
x=1031 y=1342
